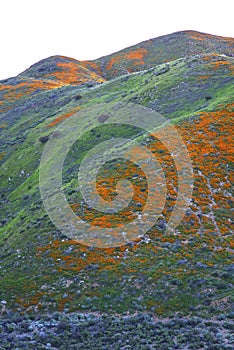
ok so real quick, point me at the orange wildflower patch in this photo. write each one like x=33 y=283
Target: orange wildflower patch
x=204 y=36
x=27 y=87
x=63 y=117
x=203 y=76
x=209 y=57
x=210 y=152
x=81 y=257
x=197 y=36
x=92 y=66
x=217 y=61
x=217 y=64
x=135 y=55
x=72 y=73
x=208 y=140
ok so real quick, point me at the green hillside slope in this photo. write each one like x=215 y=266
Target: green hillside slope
x=189 y=271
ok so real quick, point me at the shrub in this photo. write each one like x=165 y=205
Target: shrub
x=44 y=139
x=103 y=118
x=77 y=97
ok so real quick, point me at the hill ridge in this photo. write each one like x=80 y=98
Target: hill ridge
x=134 y=58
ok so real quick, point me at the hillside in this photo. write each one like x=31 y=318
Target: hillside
x=188 y=78
x=133 y=59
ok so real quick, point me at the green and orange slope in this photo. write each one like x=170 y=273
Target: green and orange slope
x=188 y=78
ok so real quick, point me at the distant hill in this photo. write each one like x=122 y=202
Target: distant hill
x=132 y=59
x=65 y=70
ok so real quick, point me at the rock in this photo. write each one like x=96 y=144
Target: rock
x=161 y=224
x=42 y=335
x=181 y=262
x=201 y=265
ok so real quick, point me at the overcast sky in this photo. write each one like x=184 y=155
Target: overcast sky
x=32 y=30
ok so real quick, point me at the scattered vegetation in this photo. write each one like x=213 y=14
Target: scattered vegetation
x=189 y=272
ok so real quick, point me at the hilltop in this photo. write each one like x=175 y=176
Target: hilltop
x=133 y=59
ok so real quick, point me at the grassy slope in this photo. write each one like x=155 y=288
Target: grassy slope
x=189 y=272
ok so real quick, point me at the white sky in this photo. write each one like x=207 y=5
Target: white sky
x=32 y=30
